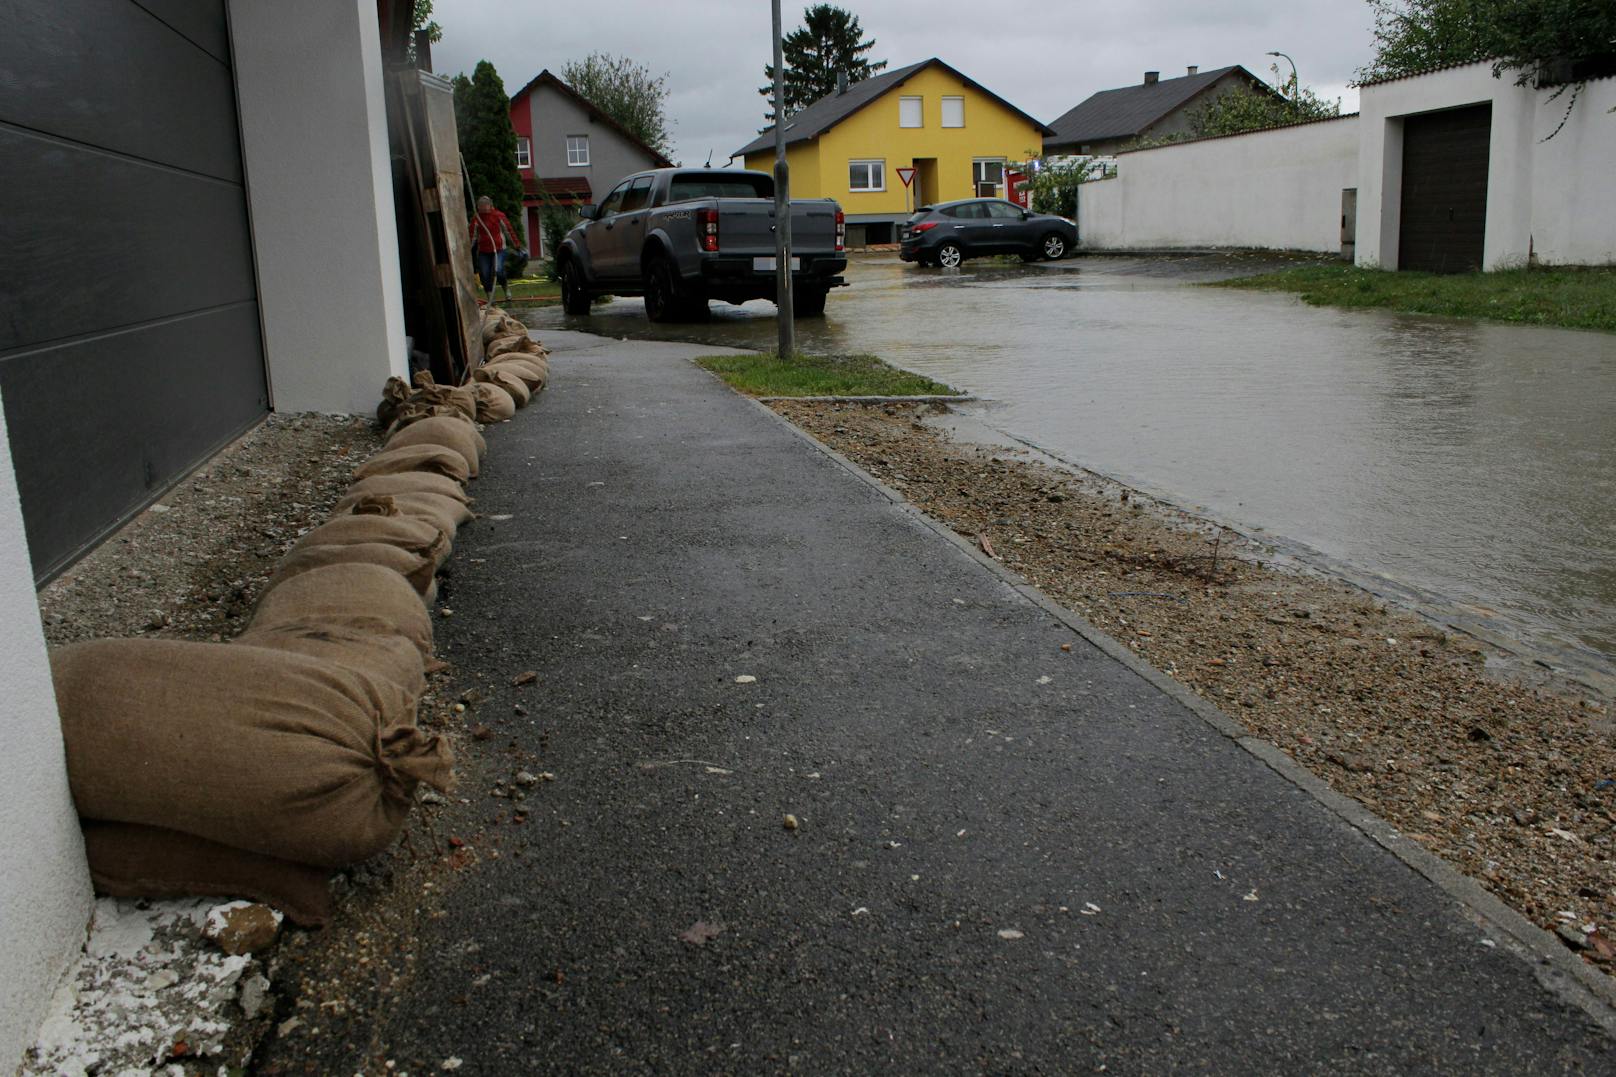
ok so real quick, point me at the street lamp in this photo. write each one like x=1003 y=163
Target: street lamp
x=1296 y=85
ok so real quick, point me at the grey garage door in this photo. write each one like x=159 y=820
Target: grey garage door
x=129 y=338
x=1444 y=210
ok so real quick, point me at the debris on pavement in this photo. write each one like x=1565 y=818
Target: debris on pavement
x=701 y=933
x=147 y=992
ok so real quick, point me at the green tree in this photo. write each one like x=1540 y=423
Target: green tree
x=1248 y=109
x=487 y=140
x=627 y=92
x=829 y=43
x=1054 y=184
x=422 y=20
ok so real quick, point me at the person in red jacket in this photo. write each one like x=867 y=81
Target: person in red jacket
x=488 y=231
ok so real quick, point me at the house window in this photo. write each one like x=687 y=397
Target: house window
x=909 y=112
x=577 y=151
x=953 y=112
x=987 y=172
x=867 y=175
x=524 y=153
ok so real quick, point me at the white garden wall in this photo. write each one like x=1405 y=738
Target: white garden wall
x=1279 y=188
x=1554 y=200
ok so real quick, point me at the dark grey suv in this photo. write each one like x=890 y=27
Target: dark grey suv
x=950 y=232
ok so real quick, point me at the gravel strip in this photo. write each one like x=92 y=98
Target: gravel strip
x=1514 y=785
x=192 y=565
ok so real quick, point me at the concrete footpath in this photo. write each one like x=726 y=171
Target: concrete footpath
x=1009 y=858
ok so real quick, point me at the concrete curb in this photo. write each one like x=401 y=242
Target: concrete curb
x=1556 y=968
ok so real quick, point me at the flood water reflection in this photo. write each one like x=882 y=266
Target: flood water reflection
x=1472 y=463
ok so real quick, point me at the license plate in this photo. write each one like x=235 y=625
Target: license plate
x=768 y=265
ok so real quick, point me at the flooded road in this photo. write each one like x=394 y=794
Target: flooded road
x=1468 y=468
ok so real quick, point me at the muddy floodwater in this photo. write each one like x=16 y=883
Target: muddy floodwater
x=1467 y=468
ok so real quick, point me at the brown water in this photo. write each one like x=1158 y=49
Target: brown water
x=1468 y=467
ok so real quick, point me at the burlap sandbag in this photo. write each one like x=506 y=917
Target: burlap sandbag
x=513 y=345
x=459 y=397
x=533 y=372
x=445 y=513
x=451 y=432
x=128 y=860
x=497 y=323
x=415 y=411
x=420 y=570
x=261 y=750
x=494 y=404
x=506 y=379
x=367 y=645
x=395 y=396
x=347 y=596
x=411 y=482
x=431 y=458
x=411 y=534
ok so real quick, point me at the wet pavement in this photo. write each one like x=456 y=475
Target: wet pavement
x=1467 y=468
x=1008 y=857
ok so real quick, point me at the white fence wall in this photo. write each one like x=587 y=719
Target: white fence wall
x=1279 y=189
x=1555 y=200
x=1574 y=179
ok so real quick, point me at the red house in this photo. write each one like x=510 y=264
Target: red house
x=569 y=151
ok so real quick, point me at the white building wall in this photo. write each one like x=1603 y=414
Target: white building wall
x=44 y=883
x=1277 y=189
x=1554 y=199
x=1574 y=179
x=319 y=187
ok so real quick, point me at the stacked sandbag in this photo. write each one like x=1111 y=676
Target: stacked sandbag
x=271 y=752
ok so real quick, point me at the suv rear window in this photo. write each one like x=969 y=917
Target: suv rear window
x=688 y=185
x=920 y=214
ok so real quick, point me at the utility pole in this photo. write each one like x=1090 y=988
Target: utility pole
x=782 y=203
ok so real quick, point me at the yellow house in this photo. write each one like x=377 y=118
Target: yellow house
x=955 y=134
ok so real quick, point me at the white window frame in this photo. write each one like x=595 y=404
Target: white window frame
x=919 y=110
x=961 y=101
x=577 y=151
x=1000 y=161
x=524 y=152
x=879 y=171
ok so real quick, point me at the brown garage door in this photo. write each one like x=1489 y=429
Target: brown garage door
x=1444 y=214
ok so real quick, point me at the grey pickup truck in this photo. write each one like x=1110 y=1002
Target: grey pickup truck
x=682 y=236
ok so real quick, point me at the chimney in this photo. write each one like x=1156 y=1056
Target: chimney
x=1194 y=69
x=841 y=82
x=1152 y=77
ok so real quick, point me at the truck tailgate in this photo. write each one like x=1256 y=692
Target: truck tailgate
x=746 y=226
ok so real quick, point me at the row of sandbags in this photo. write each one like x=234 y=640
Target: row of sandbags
x=255 y=768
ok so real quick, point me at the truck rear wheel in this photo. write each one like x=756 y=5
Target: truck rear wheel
x=666 y=297
x=574 y=297
x=808 y=302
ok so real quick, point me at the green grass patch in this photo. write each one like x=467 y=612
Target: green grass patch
x=534 y=289
x=1574 y=298
x=819 y=375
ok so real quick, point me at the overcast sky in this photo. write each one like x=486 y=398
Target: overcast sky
x=1043 y=62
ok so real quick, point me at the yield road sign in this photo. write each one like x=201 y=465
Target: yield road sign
x=907 y=175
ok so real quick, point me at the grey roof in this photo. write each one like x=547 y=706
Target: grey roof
x=832 y=109
x=1125 y=112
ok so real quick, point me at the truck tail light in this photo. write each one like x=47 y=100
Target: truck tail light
x=841 y=230
x=923 y=226
x=707 y=229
